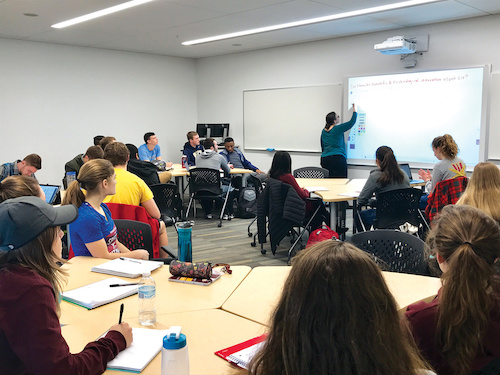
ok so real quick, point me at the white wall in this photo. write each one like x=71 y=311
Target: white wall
x=54 y=99
x=222 y=80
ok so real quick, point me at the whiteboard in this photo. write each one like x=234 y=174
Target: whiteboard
x=494 y=123
x=289 y=119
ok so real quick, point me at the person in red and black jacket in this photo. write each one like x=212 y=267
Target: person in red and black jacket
x=281 y=169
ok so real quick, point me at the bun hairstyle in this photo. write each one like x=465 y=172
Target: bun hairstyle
x=391 y=173
x=447 y=145
x=91 y=174
x=468 y=240
x=330 y=119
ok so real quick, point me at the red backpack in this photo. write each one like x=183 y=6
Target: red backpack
x=321 y=234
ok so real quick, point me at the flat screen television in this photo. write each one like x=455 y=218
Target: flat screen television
x=217 y=131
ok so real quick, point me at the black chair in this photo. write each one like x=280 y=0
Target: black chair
x=311 y=172
x=397 y=207
x=401 y=252
x=169 y=202
x=137 y=235
x=259 y=187
x=206 y=183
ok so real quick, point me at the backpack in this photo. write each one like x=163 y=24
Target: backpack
x=247 y=203
x=321 y=234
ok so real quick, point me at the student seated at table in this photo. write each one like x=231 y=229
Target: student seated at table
x=192 y=147
x=281 y=169
x=449 y=166
x=209 y=158
x=458 y=331
x=388 y=176
x=30 y=286
x=131 y=189
x=336 y=315
x=483 y=190
x=94 y=232
x=19 y=186
x=236 y=159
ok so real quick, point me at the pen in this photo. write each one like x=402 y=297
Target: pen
x=121 y=314
x=130 y=260
x=114 y=285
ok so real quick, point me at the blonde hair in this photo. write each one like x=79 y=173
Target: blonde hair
x=468 y=240
x=483 y=190
x=91 y=174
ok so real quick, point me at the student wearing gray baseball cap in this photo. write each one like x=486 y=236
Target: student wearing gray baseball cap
x=30 y=287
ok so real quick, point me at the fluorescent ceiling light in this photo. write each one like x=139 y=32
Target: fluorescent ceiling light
x=354 y=13
x=100 y=13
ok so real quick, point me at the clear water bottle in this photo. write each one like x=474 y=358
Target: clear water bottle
x=147 y=297
x=70 y=177
x=174 y=354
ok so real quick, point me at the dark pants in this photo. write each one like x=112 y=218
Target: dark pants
x=336 y=165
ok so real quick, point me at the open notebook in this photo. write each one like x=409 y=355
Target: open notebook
x=146 y=345
x=127 y=267
x=99 y=293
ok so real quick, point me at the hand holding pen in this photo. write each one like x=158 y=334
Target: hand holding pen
x=123 y=328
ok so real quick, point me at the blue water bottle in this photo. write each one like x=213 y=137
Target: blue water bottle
x=184 y=244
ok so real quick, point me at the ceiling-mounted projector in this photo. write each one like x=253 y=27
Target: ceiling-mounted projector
x=397 y=45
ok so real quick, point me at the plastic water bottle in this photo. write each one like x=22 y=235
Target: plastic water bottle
x=70 y=177
x=174 y=354
x=184 y=161
x=184 y=243
x=147 y=297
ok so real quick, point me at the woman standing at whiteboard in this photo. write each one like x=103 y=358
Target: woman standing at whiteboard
x=333 y=155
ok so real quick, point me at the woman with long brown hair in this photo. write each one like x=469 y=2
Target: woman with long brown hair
x=336 y=316
x=483 y=190
x=94 y=232
x=30 y=286
x=388 y=176
x=20 y=186
x=458 y=332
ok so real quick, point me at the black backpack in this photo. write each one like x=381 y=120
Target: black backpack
x=247 y=203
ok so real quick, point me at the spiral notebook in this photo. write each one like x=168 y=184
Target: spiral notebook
x=241 y=354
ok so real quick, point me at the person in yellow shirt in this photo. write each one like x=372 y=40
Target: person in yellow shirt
x=131 y=189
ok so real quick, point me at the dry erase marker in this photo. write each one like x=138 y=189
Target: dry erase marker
x=115 y=285
x=130 y=260
x=121 y=314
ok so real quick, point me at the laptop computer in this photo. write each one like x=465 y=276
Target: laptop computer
x=50 y=192
x=406 y=168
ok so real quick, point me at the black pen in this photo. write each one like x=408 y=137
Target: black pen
x=130 y=260
x=113 y=285
x=121 y=314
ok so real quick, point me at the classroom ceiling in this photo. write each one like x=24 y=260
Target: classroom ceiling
x=159 y=27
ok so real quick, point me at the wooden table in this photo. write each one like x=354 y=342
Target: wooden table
x=171 y=297
x=207 y=331
x=257 y=295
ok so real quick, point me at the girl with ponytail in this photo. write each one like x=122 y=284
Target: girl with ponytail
x=94 y=232
x=458 y=332
x=388 y=176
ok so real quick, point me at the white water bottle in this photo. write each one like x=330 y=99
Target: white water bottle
x=174 y=354
x=147 y=297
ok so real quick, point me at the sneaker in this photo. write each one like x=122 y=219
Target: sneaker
x=231 y=216
x=208 y=216
x=225 y=217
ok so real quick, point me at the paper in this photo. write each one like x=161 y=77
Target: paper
x=353 y=194
x=241 y=354
x=311 y=189
x=127 y=267
x=99 y=293
x=146 y=345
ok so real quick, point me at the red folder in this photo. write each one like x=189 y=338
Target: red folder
x=241 y=354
